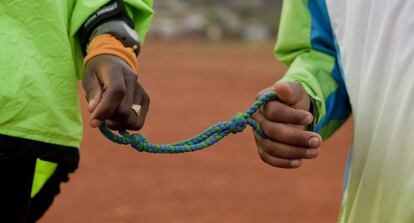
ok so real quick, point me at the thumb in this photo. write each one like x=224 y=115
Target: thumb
x=289 y=93
x=93 y=91
x=94 y=102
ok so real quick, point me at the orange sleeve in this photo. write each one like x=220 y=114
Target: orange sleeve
x=108 y=44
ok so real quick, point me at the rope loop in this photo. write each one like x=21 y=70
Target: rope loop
x=205 y=139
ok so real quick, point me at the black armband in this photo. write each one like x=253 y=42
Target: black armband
x=114 y=10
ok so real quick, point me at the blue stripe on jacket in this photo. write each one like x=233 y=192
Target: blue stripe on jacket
x=322 y=39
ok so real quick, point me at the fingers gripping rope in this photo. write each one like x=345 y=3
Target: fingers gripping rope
x=207 y=138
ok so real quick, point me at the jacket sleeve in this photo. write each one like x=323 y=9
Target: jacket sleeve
x=140 y=11
x=306 y=44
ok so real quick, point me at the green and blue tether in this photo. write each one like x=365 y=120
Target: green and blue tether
x=206 y=139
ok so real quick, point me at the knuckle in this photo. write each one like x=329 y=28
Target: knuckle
x=132 y=77
x=118 y=90
x=108 y=68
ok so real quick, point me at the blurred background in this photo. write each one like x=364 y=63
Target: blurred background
x=216 y=20
x=203 y=62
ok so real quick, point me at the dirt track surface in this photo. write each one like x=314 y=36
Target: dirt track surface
x=192 y=86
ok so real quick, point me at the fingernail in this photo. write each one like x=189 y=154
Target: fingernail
x=314 y=142
x=308 y=119
x=312 y=152
x=295 y=163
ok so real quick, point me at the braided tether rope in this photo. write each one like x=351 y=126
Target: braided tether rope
x=206 y=139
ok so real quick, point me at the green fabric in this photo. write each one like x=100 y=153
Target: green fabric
x=311 y=68
x=44 y=170
x=331 y=127
x=40 y=62
x=141 y=14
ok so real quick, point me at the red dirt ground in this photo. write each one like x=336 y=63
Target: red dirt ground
x=192 y=86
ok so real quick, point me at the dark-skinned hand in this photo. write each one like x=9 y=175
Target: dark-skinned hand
x=284 y=123
x=111 y=88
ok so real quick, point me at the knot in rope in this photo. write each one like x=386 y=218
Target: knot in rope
x=238 y=122
x=206 y=139
x=138 y=141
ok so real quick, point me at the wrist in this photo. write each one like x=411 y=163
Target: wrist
x=106 y=44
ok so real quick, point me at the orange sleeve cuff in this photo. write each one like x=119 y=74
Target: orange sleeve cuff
x=108 y=44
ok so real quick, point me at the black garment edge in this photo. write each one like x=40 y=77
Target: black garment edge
x=18 y=161
x=15 y=146
x=41 y=202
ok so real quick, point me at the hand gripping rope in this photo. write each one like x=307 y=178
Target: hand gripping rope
x=207 y=138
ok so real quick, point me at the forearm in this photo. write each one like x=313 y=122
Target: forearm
x=306 y=44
